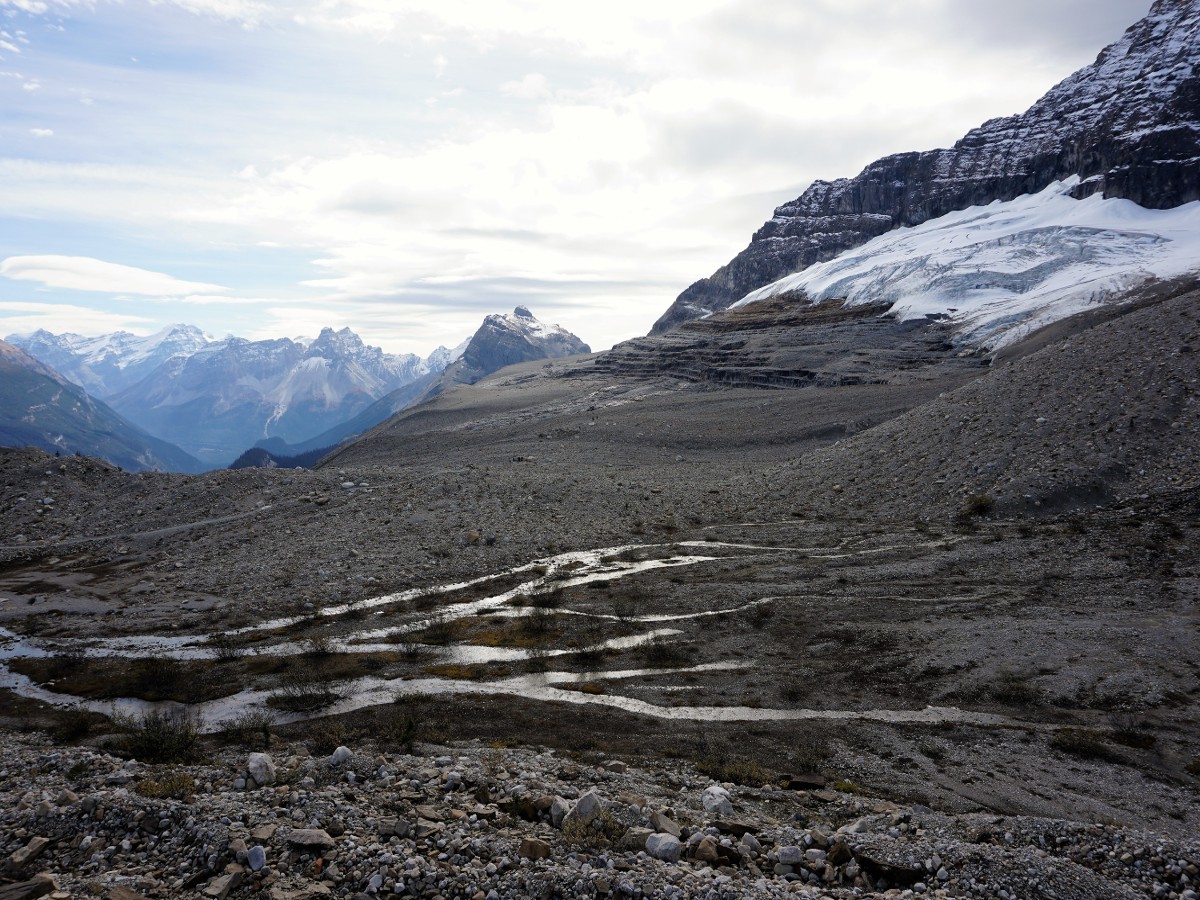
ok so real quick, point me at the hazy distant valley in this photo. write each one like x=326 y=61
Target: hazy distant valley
x=872 y=571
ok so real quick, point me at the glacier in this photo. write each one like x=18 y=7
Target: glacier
x=996 y=273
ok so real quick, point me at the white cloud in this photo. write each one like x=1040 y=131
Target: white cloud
x=24 y=318
x=36 y=7
x=599 y=157
x=42 y=132
x=82 y=273
x=533 y=86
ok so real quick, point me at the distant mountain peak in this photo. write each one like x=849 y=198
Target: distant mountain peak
x=506 y=339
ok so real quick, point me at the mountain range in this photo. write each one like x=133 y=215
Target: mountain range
x=40 y=408
x=502 y=340
x=215 y=398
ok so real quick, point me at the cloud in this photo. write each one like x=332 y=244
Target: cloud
x=533 y=86
x=24 y=318
x=42 y=132
x=82 y=273
x=595 y=158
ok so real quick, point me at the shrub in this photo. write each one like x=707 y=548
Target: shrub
x=440 y=630
x=657 y=651
x=1083 y=743
x=68 y=661
x=978 y=504
x=224 y=648
x=326 y=736
x=602 y=831
x=302 y=692
x=72 y=725
x=721 y=767
x=160 y=737
x=157 y=677
x=318 y=645
x=547 y=599
x=538 y=621
x=849 y=787
x=252 y=728
x=175 y=785
x=625 y=608
x=586 y=687
x=399 y=725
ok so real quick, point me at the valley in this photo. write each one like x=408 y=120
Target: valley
x=873 y=570
x=594 y=541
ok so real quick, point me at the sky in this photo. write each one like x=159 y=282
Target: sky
x=405 y=168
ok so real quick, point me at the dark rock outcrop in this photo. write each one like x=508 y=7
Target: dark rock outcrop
x=504 y=340
x=1128 y=124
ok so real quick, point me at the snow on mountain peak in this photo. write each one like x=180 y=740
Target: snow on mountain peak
x=1000 y=271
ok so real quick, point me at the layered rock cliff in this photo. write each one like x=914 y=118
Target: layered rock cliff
x=1128 y=125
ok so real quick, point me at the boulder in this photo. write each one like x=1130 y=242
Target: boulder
x=341 y=755
x=261 y=768
x=39 y=886
x=790 y=856
x=29 y=852
x=706 y=850
x=585 y=809
x=534 y=848
x=219 y=888
x=256 y=858
x=664 y=846
x=635 y=839
x=558 y=811
x=311 y=838
x=660 y=822
x=717 y=802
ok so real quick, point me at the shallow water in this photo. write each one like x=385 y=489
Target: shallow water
x=564 y=570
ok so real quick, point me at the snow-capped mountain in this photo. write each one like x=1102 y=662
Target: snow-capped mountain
x=1000 y=271
x=215 y=398
x=1127 y=126
x=41 y=408
x=108 y=364
x=503 y=340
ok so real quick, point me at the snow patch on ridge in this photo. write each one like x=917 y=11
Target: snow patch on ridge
x=1001 y=271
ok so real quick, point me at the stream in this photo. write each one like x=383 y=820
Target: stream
x=564 y=570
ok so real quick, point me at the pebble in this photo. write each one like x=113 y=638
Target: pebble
x=398 y=832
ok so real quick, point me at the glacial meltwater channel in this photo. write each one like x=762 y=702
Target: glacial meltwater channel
x=561 y=571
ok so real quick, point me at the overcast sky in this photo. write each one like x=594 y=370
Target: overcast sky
x=404 y=168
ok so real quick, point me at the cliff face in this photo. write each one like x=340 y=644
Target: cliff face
x=1128 y=125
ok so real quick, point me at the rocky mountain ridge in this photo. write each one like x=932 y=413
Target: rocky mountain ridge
x=218 y=397
x=506 y=339
x=40 y=408
x=1128 y=125
x=109 y=363
x=502 y=340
